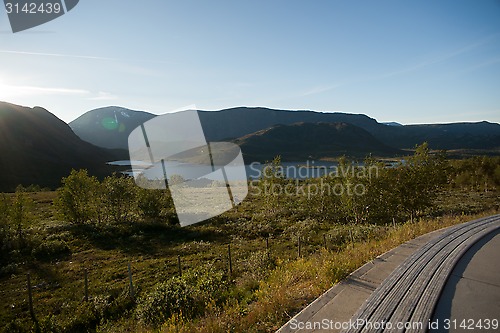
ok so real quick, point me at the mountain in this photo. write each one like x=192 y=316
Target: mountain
x=480 y=135
x=392 y=123
x=36 y=147
x=109 y=127
x=237 y=122
x=303 y=141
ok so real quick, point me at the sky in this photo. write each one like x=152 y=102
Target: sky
x=405 y=61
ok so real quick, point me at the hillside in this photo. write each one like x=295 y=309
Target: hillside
x=237 y=122
x=109 y=127
x=39 y=148
x=479 y=135
x=304 y=141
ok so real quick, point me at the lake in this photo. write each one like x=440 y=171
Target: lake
x=294 y=170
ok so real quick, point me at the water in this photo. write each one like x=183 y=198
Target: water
x=293 y=170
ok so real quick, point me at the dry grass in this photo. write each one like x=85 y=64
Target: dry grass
x=295 y=283
x=264 y=295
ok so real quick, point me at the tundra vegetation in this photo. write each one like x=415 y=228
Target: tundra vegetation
x=179 y=278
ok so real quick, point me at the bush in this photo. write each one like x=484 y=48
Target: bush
x=152 y=204
x=4 y=224
x=16 y=214
x=117 y=199
x=167 y=298
x=78 y=199
x=210 y=285
x=257 y=265
x=51 y=249
x=119 y=194
x=187 y=296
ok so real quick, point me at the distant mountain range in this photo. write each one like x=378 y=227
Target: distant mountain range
x=312 y=141
x=109 y=127
x=36 y=147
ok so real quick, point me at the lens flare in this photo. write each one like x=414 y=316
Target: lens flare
x=109 y=123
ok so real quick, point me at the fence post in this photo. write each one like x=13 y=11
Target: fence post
x=299 y=247
x=324 y=242
x=86 y=285
x=130 y=279
x=30 y=298
x=230 y=259
x=179 y=267
x=352 y=239
x=267 y=247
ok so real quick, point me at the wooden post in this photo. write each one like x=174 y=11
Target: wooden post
x=267 y=247
x=299 y=247
x=324 y=242
x=179 y=265
x=130 y=280
x=30 y=298
x=230 y=260
x=394 y=223
x=86 y=285
x=352 y=239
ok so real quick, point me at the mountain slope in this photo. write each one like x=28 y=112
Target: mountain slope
x=302 y=141
x=109 y=127
x=36 y=147
x=237 y=122
x=479 y=135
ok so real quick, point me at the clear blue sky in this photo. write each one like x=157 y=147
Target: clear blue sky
x=404 y=61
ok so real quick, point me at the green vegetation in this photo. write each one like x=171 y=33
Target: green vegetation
x=83 y=199
x=102 y=226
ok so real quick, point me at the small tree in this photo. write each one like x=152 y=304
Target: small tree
x=154 y=205
x=419 y=180
x=119 y=194
x=21 y=214
x=78 y=200
x=4 y=226
x=271 y=181
x=353 y=198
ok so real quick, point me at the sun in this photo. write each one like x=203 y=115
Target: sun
x=7 y=91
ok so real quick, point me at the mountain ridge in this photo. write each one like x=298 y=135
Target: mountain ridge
x=108 y=127
x=233 y=123
x=39 y=148
x=304 y=141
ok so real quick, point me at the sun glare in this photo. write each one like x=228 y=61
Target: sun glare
x=6 y=91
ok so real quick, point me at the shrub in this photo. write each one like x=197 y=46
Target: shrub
x=51 y=249
x=167 y=298
x=257 y=265
x=187 y=296
x=210 y=285
x=78 y=199
x=4 y=224
x=119 y=194
x=152 y=204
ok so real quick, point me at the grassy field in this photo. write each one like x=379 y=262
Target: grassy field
x=183 y=279
x=264 y=290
